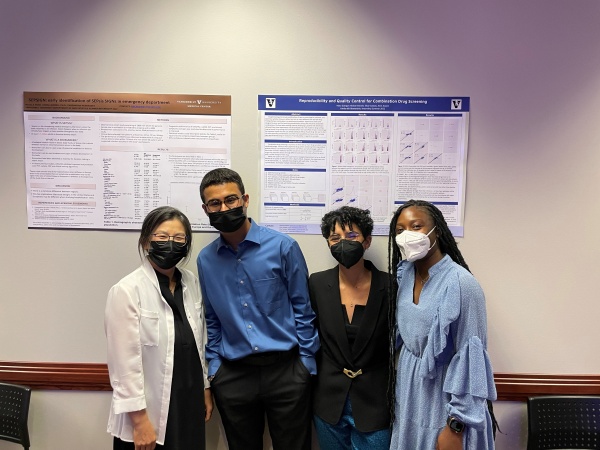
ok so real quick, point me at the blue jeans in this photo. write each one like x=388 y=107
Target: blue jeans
x=345 y=436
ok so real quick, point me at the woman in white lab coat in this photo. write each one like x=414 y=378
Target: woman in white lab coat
x=155 y=330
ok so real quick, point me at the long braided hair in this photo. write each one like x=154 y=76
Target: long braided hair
x=448 y=246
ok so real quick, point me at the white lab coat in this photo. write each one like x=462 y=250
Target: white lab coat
x=140 y=334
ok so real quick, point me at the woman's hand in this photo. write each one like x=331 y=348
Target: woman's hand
x=144 y=436
x=449 y=440
x=208 y=404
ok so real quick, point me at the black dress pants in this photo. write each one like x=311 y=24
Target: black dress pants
x=275 y=384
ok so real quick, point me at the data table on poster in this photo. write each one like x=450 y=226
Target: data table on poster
x=104 y=161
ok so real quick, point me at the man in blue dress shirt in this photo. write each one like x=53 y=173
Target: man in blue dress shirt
x=261 y=333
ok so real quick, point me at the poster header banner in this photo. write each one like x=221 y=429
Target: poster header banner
x=127 y=103
x=362 y=104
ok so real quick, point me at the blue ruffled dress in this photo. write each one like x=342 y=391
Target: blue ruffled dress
x=443 y=368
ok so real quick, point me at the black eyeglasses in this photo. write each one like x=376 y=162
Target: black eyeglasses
x=164 y=237
x=215 y=205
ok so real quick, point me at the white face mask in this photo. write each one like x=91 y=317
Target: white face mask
x=414 y=245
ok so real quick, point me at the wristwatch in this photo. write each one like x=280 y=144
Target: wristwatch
x=455 y=425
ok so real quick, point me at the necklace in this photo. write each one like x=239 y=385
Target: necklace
x=360 y=282
x=353 y=303
x=423 y=280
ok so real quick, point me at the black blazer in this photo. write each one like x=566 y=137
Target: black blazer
x=368 y=392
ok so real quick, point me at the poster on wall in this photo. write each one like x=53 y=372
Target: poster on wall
x=104 y=160
x=319 y=153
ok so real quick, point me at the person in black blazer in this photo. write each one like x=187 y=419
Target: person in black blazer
x=351 y=303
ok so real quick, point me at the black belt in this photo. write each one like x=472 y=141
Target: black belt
x=267 y=358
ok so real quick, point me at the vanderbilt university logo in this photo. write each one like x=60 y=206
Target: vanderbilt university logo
x=271 y=102
x=456 y=103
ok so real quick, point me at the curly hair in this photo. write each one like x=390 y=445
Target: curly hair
x=346 y=216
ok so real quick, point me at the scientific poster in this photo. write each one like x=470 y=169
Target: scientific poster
x=103 y=161
x=319 y=153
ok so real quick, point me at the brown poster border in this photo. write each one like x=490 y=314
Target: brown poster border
x=102 y=102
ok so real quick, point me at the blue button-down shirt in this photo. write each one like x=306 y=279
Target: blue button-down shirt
x=256 y=298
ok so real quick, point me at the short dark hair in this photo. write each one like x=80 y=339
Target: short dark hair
x=345 y=217
x=158 y=216
x=221 y=175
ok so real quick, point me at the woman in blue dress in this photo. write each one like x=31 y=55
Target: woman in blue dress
x=444 y=381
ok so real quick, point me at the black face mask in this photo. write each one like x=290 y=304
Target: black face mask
x=167 y=254
x=228 y=221
x=347 y=253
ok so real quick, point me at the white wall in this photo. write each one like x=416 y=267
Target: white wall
x=532 y=70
